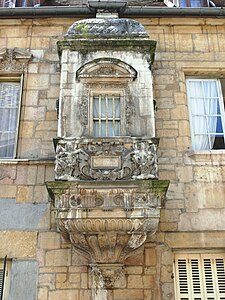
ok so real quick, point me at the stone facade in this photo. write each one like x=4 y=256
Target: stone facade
x=191 y=217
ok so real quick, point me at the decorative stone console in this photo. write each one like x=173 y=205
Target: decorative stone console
x=107 y=221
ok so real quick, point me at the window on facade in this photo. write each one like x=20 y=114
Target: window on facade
x=207 y=117
x=200 y=276
x=5 y=269
x=10 y=90
x=106 y=115
x=193 y=3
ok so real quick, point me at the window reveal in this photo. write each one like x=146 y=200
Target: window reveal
x=106 y=115
x=9 y=116
x=207 y=117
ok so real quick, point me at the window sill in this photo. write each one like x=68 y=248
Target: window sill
x=26 y=161
x=211 y=157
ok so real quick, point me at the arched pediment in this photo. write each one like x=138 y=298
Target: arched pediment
x=106 y=69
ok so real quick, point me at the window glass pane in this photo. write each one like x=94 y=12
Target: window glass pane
x=103 y=107
x=103 y=128
x=117 y=128
x=110 y=128
x=9 y=107
x=183 y=3
x=198 y=3
x=219 y=127
x=193 y=3
x=96 y=128
x=95 y=107
x=117 y=107
x=110 y=107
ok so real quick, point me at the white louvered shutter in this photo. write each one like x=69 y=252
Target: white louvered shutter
x=200 y=276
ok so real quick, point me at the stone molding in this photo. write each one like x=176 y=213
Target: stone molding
x=14 y=59
x=106 y=69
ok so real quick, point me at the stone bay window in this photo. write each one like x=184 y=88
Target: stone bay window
x=106 y=197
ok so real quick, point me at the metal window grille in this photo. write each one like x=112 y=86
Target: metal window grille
x=106 y=115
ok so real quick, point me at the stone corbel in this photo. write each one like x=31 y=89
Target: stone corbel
x=14 y=59
x=107 y=222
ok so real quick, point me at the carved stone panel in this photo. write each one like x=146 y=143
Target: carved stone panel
x=14 y=59
x=106 y=159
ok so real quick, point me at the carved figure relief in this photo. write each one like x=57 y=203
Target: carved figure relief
x=74 y=159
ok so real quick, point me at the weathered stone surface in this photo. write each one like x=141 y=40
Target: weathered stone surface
x=64 y=295
x=23 y=280
x=106 y=27
x=24 y=216
x=201 y=240
x=59 y=257
x=203 y=220
x=49 y=240
x=18 y=244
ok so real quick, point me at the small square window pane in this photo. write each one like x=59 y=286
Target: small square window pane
x=96 y=128
x=117 y=128
x=199 y=125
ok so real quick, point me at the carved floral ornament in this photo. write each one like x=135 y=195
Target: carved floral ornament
x=14 y=59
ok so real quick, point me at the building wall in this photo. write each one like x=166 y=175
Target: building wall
x=192 y=214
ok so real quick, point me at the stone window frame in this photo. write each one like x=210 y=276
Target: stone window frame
x=17 y=78
x=105 y=76
x=189 y=270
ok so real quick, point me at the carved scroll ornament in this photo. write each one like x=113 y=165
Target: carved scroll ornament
x=83 y=159
x=14 y=59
